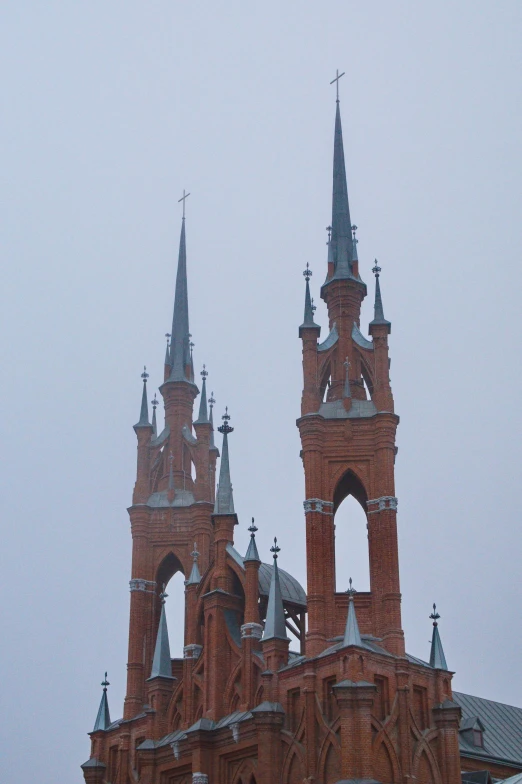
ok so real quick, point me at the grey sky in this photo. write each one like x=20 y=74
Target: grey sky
x=110 y=109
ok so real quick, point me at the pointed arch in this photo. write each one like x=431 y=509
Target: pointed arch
x=349 y=484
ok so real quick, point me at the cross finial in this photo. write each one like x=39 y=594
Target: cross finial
x=329 y=230
x=275 y=549
x=336 y=80
x=211 y=400
x=204 y=372
x=308 y=272
x=183 y=198
x=105 y=683
x=435 y=616
x=167 y=335
x=314 y=307
x=154 y=402
x=195 y=553
x=252 y=528
x=351 y=590
x=144 y=375
x=376 y=269
x=225 y=427
x=354 y=229
x=163 y=595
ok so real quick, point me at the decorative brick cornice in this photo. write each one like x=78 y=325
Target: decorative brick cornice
x=318 y=505
x=254 y=630
x=138 y=584
x=384 y=502
x=192 y=651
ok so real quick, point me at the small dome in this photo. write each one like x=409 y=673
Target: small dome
x=291 y=590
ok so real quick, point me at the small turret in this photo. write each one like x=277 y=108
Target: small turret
x=154 y=404
x=308 y=320
x=251 y=553
x=103 y=718
x=203 y=411
x=224 y=499
x=194 y=577
x=378 y=318
x=144 y=411
x=437 y=658
x=161 y=664
x=352 y=635
x=275 y=625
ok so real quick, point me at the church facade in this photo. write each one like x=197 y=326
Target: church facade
x=241 y=708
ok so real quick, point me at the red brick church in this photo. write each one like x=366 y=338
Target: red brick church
x=240 y=707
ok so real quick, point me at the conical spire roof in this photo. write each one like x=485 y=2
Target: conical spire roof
x=154 y=422
x=103 y=718
x=341 y=241
x=251 y=553
x=275 y=626
x=378 y=310
x=211 y=402
x=144 y=410
x=195 y=576
x=437 y=658
x=161 y=664
x=203 y=411
x=180 y=334
x=224 y=498
x=352 y=635
x=308 y=320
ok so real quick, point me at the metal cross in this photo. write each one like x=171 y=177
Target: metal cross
x=154 y=402
x=308 y=272
x=435 y=616
x=211 y=400
x=351 y=590
x=144 y=375
x=185 y=196
x=105 y=683
x=253 y=528
x=376 y=270
x=337 y=82
x=204 y=372
x=225 y=427
x=275 y=549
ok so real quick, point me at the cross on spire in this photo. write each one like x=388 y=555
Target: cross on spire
x=336 y=81
x=252 y=528
x=435 y=616
x=225 y=427
x=308 y=272
x=275 y=549
x=204 y=372
x=211 y=400
x=144 y=375
x=183 y=199
x=105 y=683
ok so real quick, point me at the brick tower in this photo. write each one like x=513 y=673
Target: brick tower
x=240 y=707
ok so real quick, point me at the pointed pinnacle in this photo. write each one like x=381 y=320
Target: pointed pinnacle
x=275 y=625
x=144 y=411
x=252 y=553
x=203 y=412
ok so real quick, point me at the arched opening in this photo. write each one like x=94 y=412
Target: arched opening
x=367 y=381
x=351 y=534
x=170 y=574
x=325 y=384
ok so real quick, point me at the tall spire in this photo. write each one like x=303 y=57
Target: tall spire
x=103 y=719
x=275 y=626
x=195 y=577
x=352 y=635
x=341 y=242
x=211 y=402
x=224 y=499
x=378 y=311
x=203 y=412
x=154 y=403
x=251 y=553
x=161 y=665
x=437 y=658
x=144 y=411
x=180 y=335
x=309 y=308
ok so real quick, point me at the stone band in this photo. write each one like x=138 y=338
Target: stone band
x=318 y=505
x=384 y=502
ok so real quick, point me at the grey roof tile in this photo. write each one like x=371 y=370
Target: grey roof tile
x=502 y=728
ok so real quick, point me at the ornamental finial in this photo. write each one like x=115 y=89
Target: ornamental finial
x=211 y=400
x=376 y=270
x=144 y=375
x=154 y=402
x=435 y=615
x=204 y=372
x=105 y=683
x=275 y=549
x=195 y=553
x=308 y=272
x=329 y=230
x=225 y=427
x=336 y=82
x=253 y=528
x=351 y=590
x=183 y=199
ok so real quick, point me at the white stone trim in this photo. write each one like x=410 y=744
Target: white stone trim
x=138 y=584
x=318 y=505
x=384 y=502
x=199 y=778
x=254 y=630
x=175 y=749
x=192 y=651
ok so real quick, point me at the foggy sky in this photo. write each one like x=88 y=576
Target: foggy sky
x=110 y=109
